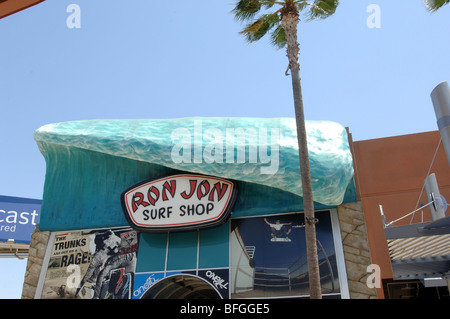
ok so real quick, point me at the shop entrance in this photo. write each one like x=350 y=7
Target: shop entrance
x=182 y=287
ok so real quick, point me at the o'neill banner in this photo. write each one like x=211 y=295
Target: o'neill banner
x=179 y=202
x=18 y=218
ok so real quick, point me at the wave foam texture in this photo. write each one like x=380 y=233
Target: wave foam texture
x=151 y=140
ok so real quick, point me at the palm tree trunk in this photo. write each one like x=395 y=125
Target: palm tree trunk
x=308 y=200
x=289 y=21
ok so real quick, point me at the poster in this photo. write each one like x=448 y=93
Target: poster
x=92 y=264
x=268 y=256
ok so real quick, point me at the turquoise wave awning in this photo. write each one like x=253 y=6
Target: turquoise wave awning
x=90 y=162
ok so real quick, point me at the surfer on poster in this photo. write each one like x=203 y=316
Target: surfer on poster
x=279 y=230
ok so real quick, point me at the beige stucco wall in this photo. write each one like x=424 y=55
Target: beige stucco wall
x=38 y=246
x=356 y=250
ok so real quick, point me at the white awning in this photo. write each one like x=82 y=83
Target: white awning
x=420 y=251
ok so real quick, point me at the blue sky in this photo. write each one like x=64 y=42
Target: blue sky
x=160 y=59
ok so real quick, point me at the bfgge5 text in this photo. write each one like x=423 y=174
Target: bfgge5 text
x=247 y=308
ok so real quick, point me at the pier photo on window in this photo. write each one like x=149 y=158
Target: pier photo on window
x=268 y=256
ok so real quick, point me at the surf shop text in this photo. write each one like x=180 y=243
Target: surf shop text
x=203 y=193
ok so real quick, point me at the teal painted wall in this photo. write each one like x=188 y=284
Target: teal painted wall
x=181 y=250
x=82 y=190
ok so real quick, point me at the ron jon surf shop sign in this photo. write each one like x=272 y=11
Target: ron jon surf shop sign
x=179 y=202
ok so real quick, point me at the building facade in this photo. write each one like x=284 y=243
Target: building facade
x=194 y=208
x=390 y=175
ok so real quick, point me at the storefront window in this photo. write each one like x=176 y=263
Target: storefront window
x=268 y=256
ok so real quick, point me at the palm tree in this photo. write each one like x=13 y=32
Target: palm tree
x=434 y=5
x=282 y=25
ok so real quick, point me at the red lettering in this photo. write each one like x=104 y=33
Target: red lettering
x=170 y=188
x=205 y=185
x=193 y=184
x=138 y=200
x=130 y=249
x=219 y=190
x=151 y=199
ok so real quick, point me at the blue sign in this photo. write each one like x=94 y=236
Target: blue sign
x=18 y=218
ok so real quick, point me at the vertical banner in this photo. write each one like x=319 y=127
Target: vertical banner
x=18 y=218
x=92 y=264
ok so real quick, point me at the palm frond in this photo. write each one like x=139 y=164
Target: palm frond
x=434 y=5
x=268 y=3
x=256 y=30
x=301 y=5
x=278 y=37
x=260 y=23
x=246 y=9
x=321 y=9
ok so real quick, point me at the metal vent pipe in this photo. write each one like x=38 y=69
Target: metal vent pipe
x=441 y=101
